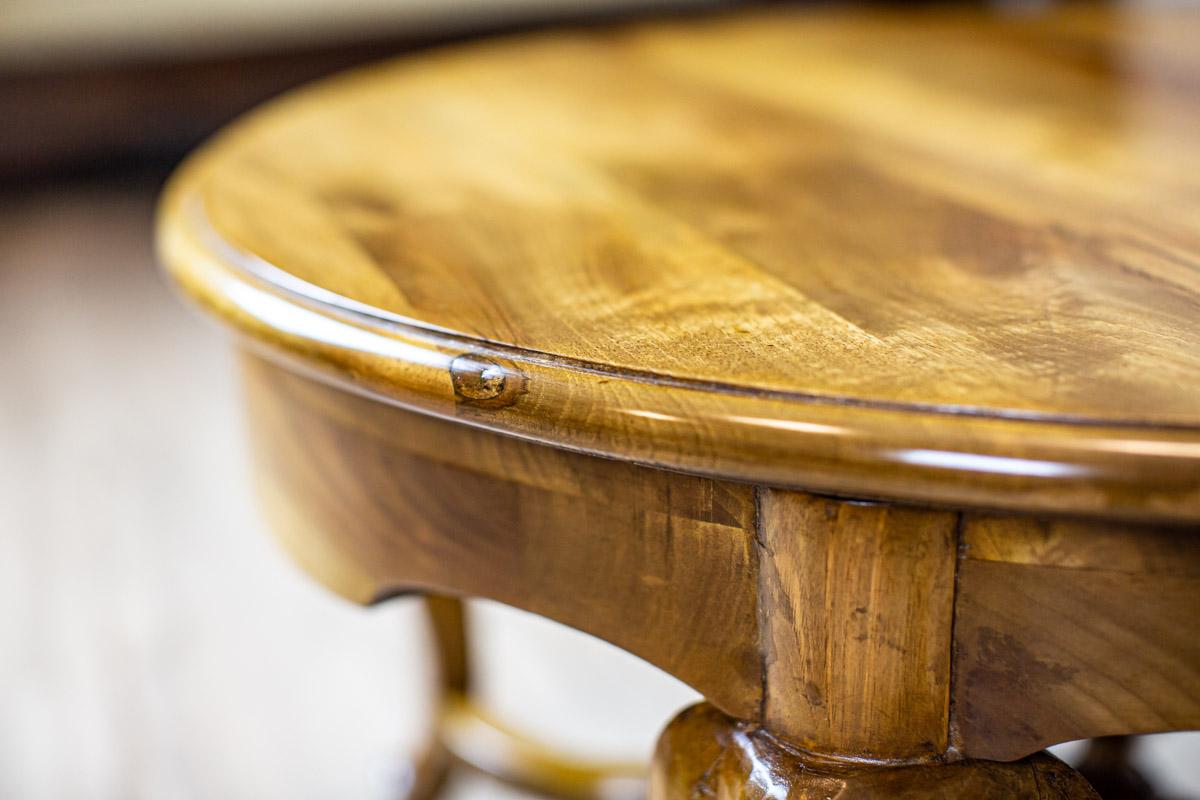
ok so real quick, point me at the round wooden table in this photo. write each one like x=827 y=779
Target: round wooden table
x=843 y=364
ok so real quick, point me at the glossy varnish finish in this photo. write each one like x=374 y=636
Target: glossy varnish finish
x=374 y=501
x=1063 y=626
x=906 y=305
x=856 y=606
x=961 y=268
x=705 y=754
x=861 y=631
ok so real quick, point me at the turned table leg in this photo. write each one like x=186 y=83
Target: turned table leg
x=868 y=633
x=705 y=753
x=466 y=736
x=428 y=770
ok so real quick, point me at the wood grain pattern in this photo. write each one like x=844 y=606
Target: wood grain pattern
x=1063 y=628
x=706 y=754
x=732 y=245
x=1067 y=630
x=153 y=643
x=856 y=607
x=374 y=501
x=672 y=199
x=827 y=621
x=945 y=257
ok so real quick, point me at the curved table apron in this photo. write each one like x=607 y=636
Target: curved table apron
x=843 y=364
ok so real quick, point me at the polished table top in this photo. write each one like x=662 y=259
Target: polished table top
x=926 y=254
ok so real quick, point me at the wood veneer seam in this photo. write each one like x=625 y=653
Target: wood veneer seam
x=765 y=643
x=960 y=555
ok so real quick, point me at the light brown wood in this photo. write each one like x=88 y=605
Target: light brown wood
x=483 y=744
x=959 y=276
x=706 y=754
x=468 y=736
x=733 y=246
x=757 y=608
x=374 y=501
x=448 y=625
x=856 y=607
x=153 y=643
x=1067 y=630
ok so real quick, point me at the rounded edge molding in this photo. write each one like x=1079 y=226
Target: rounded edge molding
x=849 y=449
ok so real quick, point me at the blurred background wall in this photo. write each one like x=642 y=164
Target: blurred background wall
x=153 y=642
x=135 y=81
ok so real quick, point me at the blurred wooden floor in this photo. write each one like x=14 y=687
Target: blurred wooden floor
x=153 y=643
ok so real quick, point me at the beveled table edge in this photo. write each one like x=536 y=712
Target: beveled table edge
x=958 y=456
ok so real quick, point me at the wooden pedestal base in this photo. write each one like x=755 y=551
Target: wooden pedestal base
x=704 y=753
x=848 y=401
